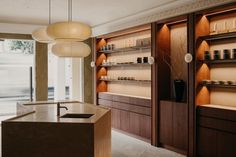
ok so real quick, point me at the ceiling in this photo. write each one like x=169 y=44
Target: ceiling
x=92 y=12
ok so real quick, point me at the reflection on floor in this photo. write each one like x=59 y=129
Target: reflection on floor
x=126 y=146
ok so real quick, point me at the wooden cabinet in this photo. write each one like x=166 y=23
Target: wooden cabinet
x=129 y=114
x=174 y=125
x=214 y=82
x=216 y=132
x=123 y=78
x=172 y=108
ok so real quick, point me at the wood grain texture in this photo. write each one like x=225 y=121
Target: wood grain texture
x=154 y=89
x=174 y=126
x=203 y=72
x=217 y=125
x=15 y=36
x=180 y=125
x=163 y=51
x=116 y=118
x=166 y=123
x=129 y=117
x=202 y=26
x=102 y=136
x=191 y=88
x=47 y=139
x=41 y=72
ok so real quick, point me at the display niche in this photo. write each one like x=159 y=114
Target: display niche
x=216 y=81
x=216 y=58
x=172 y=84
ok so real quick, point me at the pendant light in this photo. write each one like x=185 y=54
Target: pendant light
x=67 y=34
x=40 y=34
x=69 y=30
x=71 y=49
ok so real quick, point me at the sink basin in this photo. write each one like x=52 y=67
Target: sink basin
x=76 y=115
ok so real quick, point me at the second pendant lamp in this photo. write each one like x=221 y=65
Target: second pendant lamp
x=68 y=36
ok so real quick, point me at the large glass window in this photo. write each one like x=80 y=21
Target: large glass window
x=59 y=74
x=16 y=64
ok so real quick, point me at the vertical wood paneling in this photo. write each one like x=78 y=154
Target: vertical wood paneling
x=41 y=72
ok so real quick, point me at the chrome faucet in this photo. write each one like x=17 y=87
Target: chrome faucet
x=59 y=107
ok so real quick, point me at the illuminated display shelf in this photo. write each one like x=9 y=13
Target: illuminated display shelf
x=126 y=81
x=126 y=64
x=221 y=36
x=127 y=49
x=220 y=61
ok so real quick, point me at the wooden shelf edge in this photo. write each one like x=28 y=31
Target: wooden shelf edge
x=220 y=61
x=126 y=49
x=218 y=86
x=218 y=36
x=128 y=65
x=127 y=81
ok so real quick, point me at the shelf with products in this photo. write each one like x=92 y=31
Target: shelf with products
x=218 y=85
x=172 y=83
x=219 y=61
x=125 y=64
x=126 y=49
x=215 y=57
x=140 y=68
x=220 y=36
x=123 y=69
x=215 y=80
x=126 y=81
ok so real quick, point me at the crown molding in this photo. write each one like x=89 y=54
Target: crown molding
x=178 y=7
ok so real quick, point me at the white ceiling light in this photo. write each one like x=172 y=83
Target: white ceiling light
x=71 y=49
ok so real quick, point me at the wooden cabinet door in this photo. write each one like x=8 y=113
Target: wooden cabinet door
x=206 y=142
x=226 y=144
x=115 y=113
x=180 y=126
x=125 y=120
x=166 y=123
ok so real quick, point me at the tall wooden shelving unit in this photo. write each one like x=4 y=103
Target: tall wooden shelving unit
x=171 y=46
x=215 y=98
x=122 y=83
x=203 y=123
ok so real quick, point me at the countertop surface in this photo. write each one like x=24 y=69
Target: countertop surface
x=47 y=112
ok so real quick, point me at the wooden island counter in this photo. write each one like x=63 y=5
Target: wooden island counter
x=42 y=133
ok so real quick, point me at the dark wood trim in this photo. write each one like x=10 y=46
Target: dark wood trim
x=218 y=8
x=154 y=89
x=174 y=149
x=94 y=71
x=15 y=36
x=173 y=20
x=191 y=88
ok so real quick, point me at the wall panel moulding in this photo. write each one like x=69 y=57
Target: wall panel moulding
x=162 y=12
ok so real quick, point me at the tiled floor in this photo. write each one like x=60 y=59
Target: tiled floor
x=126 y=146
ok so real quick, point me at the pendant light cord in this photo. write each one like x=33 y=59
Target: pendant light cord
x=69 y=10
x=49 y=12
